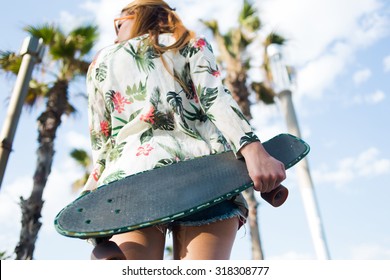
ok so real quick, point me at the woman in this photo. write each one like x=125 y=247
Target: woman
x=155 y=98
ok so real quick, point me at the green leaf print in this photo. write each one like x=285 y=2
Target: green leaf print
x=120 y=174
x=119 y=127
x=175 y=101
x=198 y=114
x=248 y=138
x=194 y=47
x=137 y=92
x=146 y=136
x=175 y=152
x=188 y=51
x=134 y=115
x=190 y=132
x=109 y=96
x=240 y=114
x=155 y=97
x=117 y=152
x=164 y=162
x=163 y=121
x=143 y=57
x=96 y=140
x=207 y=97
x=121 y=120
x=185 y=76
x=209 y=69
x=101 y=72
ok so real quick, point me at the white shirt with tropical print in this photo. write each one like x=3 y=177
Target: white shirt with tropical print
x=140 y=118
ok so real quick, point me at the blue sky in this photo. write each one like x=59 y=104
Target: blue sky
x=341 y=50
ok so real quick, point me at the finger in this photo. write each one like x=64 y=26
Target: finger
x=258 y=185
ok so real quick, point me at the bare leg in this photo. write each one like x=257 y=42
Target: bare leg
x=208 y=242
x=143 y=244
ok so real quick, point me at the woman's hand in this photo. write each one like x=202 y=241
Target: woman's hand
x=265 y=171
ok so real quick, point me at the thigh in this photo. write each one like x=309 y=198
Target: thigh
x=207 y=242
x=143 y=244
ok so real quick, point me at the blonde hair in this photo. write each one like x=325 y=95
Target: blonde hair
x=155 y=17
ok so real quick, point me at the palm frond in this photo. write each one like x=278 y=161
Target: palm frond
x=79 y=183
x=274 y=38
x=248 y=18
x=84 y=38
x=212 y=25
x=36 y=91
x=10 y=61
x=81 y=157
x=48 y=32
x=263 y=93
x=70 y=109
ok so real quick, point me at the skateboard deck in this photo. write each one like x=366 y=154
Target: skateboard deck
x=171 y=192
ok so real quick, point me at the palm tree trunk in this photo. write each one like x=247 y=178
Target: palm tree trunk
x=48 y=123
x=236 y=82
x=257 y=251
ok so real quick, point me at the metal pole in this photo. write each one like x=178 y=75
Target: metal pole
x=32 y=52
x=282 y=85
x=305 y=181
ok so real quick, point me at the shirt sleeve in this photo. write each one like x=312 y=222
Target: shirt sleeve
x=217 y=101
x=99 y=122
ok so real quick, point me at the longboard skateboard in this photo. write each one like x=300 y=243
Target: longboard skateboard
x=171 y=192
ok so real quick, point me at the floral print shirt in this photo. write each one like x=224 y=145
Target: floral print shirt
x=141 y=117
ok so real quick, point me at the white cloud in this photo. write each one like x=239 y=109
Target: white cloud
x=77 y=140
x=316 y=33
x=318 y=74
x=365 y=165
x=10 y=213
x=370 y=99
x=323 y=37
x=386 y=63
x=267 y=121
x=58 y=193
x=362 y=76
x=68 y=21
x=190 y=12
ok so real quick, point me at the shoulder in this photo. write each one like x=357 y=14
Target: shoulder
x=199 y=42
x=197 y=46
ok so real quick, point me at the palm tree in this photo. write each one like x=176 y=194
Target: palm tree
x=65 y=61
x=84 y=161
x=232 y=47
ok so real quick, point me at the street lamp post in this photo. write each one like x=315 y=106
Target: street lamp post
x=283 y=86
x=32 y=52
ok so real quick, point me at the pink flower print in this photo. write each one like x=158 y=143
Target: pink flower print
x=95 y=174
x=149 y=116
x=216 y=73
x=119 y=102
x=200 y=44
x=144 y=150
x=105 y=128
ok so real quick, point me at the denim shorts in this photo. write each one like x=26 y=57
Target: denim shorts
x=222 y=211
